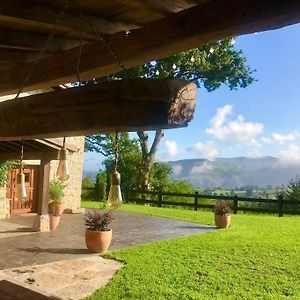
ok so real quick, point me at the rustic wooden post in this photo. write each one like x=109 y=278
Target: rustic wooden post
x=196 y=198
x=235 y=204
x=41 y=222
x=280 y=205
x=160 y=200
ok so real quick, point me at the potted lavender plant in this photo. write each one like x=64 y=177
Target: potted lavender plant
x=98 y=233
x=222 y=214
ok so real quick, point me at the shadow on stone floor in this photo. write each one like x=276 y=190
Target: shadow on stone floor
x=56 y=250
x=21 y=229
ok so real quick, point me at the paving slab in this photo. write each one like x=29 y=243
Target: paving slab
x=65 y=280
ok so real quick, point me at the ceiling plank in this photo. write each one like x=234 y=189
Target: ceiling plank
x=121 y=105
x=45 y=19
x=169 y=6
x=185 y=30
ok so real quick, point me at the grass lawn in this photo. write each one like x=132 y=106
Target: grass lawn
x=257 y=258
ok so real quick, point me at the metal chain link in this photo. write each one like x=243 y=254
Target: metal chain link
x=43 y=49
x=116 y=151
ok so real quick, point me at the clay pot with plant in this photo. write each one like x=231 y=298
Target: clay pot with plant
x=222 y=215
x=56 y=205
x=98 y=234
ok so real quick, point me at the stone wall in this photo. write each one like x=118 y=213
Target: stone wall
x=73 y=185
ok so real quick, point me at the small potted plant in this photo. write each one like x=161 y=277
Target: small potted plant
x=56 y=205
x=98 y=233
x=222 y=214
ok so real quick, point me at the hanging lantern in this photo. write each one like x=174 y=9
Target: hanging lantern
x=63 y=172
x=114 y=200
x=21 y=192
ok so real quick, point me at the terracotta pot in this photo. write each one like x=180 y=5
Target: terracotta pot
x=223 y=221
x=98 y=241
x=54 y=221
x=56 y=208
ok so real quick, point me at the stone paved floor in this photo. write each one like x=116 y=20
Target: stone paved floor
x=19 y=247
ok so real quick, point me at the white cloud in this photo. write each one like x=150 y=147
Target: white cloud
x=208 y=150
x=238 y=129
x=177 y=169
x=280 y=138
x=203 y=168
x=290 y=156
x=172 y=149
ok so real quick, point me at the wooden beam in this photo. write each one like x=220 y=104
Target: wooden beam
x=121 y=105
x=43 y=194
x=188 y=29
x=52 y=155
x=43 y=19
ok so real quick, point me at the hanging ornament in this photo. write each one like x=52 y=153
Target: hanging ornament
x=174 y=66
x=157 y=72
x=114 y=200
x=192 y=59
x=63 y=172
x=21 y=193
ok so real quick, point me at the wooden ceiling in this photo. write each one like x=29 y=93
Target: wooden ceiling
x=138 y=31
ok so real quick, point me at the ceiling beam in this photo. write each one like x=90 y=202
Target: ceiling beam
x=31 y=41
x=120 y=105
x=185 y=30
x=25 y=14
x=49 y=155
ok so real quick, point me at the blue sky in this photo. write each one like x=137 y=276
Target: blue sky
x=261 y=120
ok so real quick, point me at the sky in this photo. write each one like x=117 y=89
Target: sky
x=260 y=120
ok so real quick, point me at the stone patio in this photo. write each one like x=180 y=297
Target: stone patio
x=32 y=259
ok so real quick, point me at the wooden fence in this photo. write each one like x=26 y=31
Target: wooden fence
x=281 y=205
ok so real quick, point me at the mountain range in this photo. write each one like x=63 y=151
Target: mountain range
x=229 y=172
x=234 y=172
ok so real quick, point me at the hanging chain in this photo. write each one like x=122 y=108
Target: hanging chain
x=79 y=52
x=22 y=156
x=116 y=151
x=43 y=49
x=101 y=38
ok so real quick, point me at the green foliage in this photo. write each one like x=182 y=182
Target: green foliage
x=101 y=186
x=88 y=186
x=159 y=176
x=222 y=264
x=291 y=193
x=56 y=191
x=209 y=66
x=5 y=168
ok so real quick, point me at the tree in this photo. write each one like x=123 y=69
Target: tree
x=208 y=66
x=291 y=193
x=101 y=186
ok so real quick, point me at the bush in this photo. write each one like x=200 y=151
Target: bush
x=88 y=187
x=100 y=189
x=96 y=221
x=56 y=190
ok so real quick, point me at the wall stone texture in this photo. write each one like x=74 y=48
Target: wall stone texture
x=73 y=185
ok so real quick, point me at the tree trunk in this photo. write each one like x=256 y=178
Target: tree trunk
x=148 y=156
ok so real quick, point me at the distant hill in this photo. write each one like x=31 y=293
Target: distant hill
x=234 y=172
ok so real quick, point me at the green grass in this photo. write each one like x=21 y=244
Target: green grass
x=257 y=258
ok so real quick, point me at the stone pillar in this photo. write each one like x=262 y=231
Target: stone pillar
x=41 y=222
x=4 y=208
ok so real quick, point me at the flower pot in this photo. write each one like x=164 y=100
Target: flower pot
x=222 y=221
x=54 y=221
x=98 y=241
x=56 y=208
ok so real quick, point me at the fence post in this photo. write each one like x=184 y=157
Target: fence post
x=235 y=204
x=160 y=200
x=196 y=198
x=280 y=205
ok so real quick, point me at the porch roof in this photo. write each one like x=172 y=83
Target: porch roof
x=47 y=149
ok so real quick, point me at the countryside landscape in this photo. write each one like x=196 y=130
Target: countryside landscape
x=150 y=150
